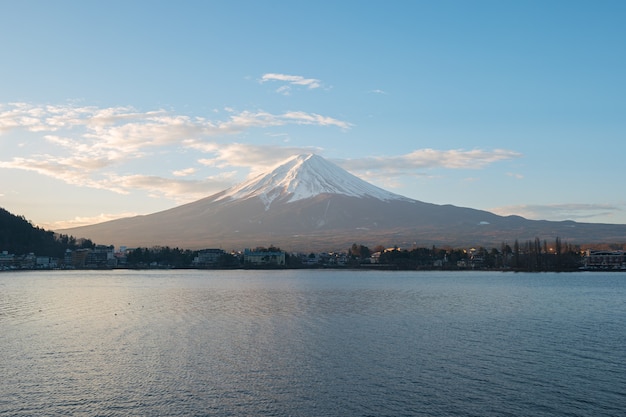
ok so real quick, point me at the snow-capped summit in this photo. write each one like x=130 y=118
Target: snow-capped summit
x=305 y=176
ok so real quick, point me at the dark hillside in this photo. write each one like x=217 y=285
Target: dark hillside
x=18 y=236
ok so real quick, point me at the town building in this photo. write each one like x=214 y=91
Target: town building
x=6 y=260
x=263 y=258
x=208 y=257
x=601 y=259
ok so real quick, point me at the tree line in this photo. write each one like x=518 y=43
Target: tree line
x=531 y=255
x=19 y=236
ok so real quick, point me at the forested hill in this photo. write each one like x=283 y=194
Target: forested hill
x=18 y=236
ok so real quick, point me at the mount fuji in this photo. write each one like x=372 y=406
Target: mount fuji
x=308 y=203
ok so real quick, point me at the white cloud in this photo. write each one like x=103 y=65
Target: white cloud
x=110 y=148
x=116 y=126
x=72 y=170
x=302 y=118
x=20 y=115
x=184 y=172
x=86 y=145
x=261 y=119
x=292 y=79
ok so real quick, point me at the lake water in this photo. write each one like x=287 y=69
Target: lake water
x=312 y=343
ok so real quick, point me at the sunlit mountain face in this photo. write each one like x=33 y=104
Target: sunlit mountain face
x=307 y=203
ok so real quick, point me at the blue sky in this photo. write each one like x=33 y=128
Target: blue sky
x=117 y=108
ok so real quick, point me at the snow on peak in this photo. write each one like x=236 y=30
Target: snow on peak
x=305 y=176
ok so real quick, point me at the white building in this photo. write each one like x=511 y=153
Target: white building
x=602 y=259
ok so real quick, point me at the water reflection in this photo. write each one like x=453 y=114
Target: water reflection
x=311 y=343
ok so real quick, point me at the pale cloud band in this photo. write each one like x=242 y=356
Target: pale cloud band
x=83 y=221
x=429 y=159
x=99 y=148
x=87 y=146
x=574 y=211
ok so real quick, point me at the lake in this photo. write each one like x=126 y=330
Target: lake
x=312 y=343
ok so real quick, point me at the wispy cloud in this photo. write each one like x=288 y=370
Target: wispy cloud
x=303 y=118
x=84 y=221
x=179 y=190
x=383 y=169
x=262 y=119
x=184 y=172
x=72 y=170
x=85 y=146
x=574 y=211
x=416 y=162
x=122 y=150
x=20 y=115
x=291 y=80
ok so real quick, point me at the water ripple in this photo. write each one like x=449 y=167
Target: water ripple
x=324 y=343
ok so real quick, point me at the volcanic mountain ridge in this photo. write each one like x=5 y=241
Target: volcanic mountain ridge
x=307 y=203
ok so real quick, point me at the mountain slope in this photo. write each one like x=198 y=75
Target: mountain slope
x=307 y=203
